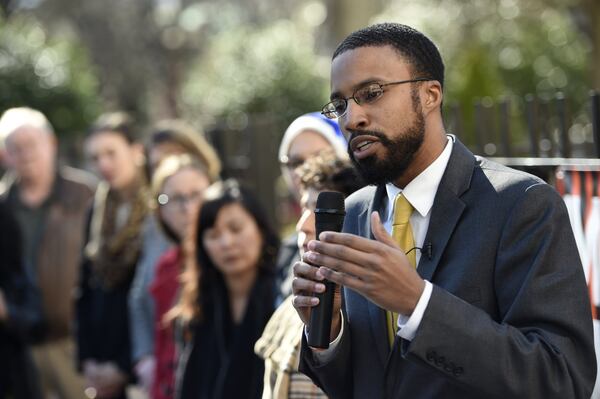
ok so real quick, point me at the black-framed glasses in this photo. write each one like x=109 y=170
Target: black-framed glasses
x=366 y=94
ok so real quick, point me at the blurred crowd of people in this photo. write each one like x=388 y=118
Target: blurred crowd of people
x=154 y=278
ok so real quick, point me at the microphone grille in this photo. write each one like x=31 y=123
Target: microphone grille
x=330 y=200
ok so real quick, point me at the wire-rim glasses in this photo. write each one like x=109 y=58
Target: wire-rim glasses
x=363 y=95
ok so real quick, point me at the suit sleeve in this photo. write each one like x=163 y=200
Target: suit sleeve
x=334 y=377
x=542 y=344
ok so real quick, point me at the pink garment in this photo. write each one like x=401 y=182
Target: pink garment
x=164 y=290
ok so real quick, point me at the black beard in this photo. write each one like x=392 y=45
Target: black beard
x=400 y=154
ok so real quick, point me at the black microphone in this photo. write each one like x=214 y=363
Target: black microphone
x=329 y=216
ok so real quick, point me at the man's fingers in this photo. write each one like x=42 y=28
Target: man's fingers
x=343 y=279
x=344 y=261
x=309 y=272
x=302 y=301
x=303 y=286
x=348 y=240
x=379 y=232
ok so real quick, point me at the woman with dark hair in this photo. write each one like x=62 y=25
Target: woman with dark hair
x=227 y=297
x=111 y=251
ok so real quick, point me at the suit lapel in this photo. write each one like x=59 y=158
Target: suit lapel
x=447 y=206
x=446 y=212
x=376 y=314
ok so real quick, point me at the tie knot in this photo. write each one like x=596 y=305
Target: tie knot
x=402 y=210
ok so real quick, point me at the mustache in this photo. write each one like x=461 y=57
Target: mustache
x=357 y=133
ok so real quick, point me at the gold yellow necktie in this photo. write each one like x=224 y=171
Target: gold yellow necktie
x=403 y=235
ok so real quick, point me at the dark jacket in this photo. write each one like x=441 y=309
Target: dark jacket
x=57 y=266
x=102 y=319
x=509 y=314
x=18 y=379
x=219 y=362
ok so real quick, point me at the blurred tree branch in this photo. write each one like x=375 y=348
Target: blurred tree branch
x=6 y=7
x=139 y=63
x=588 y=18
x=346 y=16
x=142 y=49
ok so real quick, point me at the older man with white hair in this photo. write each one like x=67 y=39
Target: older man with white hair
x=50 y=204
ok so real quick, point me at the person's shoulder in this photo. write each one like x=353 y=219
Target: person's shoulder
x=361 y=199
x=281 y=336
x=503 y=178
x=6 y=184
x=78 y=179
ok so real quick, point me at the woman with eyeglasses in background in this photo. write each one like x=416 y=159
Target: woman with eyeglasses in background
x=177 y=186
x=167 y=137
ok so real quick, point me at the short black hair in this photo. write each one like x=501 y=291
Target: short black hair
x=413 y=45
x=227 y=192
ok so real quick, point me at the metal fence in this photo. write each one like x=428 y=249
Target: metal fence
x=532 y=133
x=530 y=126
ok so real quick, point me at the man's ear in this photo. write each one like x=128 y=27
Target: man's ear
x=432 y=96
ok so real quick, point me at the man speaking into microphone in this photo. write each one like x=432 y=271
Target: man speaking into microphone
x=460 y=277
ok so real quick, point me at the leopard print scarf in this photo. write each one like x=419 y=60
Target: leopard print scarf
x=114 y=248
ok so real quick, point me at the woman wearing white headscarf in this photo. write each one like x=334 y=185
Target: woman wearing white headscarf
x=307 y=136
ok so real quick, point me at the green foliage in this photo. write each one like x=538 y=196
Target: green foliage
x=52 y=76
x=250 y=70
x=503 y=49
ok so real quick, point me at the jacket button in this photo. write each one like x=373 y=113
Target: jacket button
x=440 y=361
x=430 y=356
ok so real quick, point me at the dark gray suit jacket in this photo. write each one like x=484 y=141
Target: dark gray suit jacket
x=509 y=315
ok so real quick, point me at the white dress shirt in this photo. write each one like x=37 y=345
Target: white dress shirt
x=420 y=193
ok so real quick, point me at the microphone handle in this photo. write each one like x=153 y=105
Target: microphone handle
x=320 y=317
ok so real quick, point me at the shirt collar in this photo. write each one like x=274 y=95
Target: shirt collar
x=420 y=192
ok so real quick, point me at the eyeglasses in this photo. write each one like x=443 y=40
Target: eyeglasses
x=180 y=201
x=291 y=163
x=363 y=95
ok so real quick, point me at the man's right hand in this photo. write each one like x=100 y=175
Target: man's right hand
x=308 y=282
